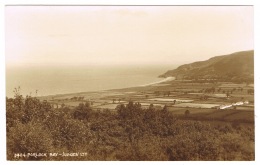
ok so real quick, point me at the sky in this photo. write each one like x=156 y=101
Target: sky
x=124 y=35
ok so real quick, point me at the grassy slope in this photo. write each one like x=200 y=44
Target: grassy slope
x=234 y=65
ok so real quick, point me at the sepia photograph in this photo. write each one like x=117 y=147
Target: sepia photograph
x=129 y=83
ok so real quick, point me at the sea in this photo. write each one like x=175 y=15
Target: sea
x=44 y=81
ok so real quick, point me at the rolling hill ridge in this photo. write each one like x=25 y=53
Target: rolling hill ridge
x=237 y=66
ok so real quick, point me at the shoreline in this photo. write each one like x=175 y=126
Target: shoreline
x=109 y=90
x=158 y=82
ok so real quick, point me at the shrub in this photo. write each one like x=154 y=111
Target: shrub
x=28 y=138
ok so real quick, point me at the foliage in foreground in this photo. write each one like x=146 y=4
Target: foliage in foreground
x=132 y=133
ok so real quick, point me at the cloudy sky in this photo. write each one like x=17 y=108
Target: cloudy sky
x=124 y=35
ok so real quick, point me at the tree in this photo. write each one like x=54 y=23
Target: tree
x=187 y=113
x=165 y=108
x=157 y=93
x=151 y=107
x=131 y=119
x=62 y=105
x=82 y=111
x=28 y=138
x=250 y=91
x=213 y=89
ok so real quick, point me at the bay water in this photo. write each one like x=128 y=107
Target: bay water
x=62 y=80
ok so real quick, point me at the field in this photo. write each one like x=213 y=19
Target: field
x=194 y=105
x=203 y=100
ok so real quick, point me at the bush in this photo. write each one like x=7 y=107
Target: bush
x=28 y=138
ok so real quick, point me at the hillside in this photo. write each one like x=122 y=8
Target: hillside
x=237 y=66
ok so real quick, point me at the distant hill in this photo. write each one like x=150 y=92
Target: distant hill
x=237 y=66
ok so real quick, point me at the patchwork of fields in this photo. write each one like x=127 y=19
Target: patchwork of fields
x=202 y=100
